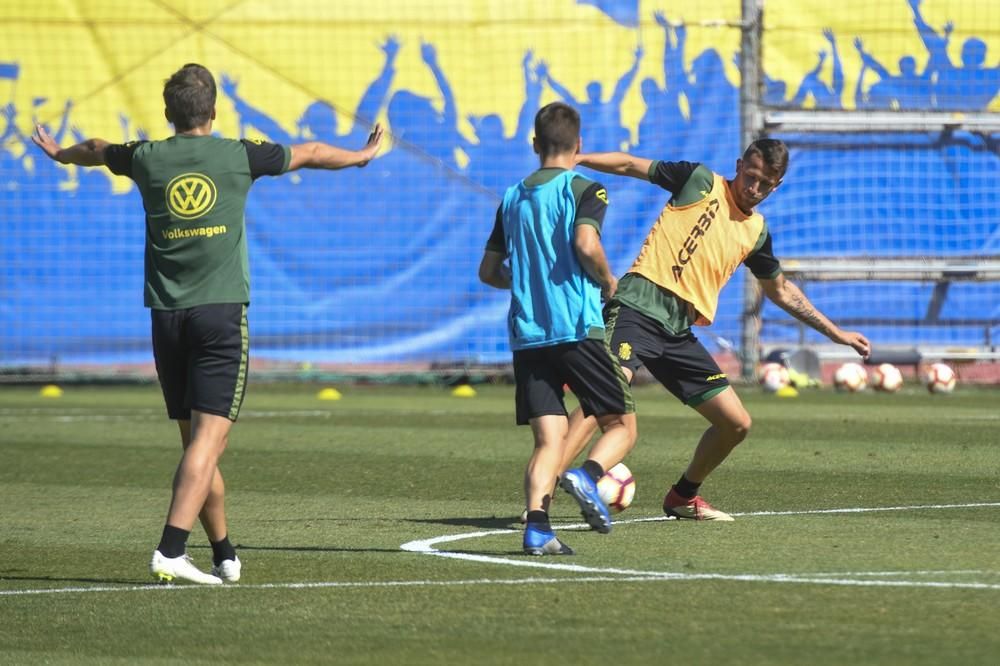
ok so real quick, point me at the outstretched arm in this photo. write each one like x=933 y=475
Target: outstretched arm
x=373 y=98
x=860 y=96
x=89 y=152
x=319 y=155
x=678 y=75
x=810 y=82
x=937 y=45
x=838 y=69
x=250 y=115
x=661 y=20
x=623 y=83
x=429 y=55
x=532 y=94
x=559 y=88
x=786 y=295
x=869 y=61
x=619 y=164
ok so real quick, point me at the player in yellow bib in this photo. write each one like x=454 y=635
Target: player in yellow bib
x=707 y=229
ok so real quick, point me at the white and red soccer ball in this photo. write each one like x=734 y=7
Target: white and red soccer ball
x=939 y=378
x=617 y=488
x=886 y=377
x=773 y=377
x=850 y=378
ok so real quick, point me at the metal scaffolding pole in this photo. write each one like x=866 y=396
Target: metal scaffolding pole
x=751 y=125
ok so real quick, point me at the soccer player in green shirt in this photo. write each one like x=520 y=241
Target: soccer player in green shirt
x=197 y=286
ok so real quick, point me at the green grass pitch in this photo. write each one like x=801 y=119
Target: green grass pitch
x=322 y=497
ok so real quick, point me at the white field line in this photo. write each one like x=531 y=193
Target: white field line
x=320 y=585
x=935 y=572
x=428 y=547
x=602 y=574
x=646 y=577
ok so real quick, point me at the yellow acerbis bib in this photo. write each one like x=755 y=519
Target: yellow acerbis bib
x=693 y=250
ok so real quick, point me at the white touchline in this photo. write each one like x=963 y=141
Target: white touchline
x=428 y=547
x=317 y=585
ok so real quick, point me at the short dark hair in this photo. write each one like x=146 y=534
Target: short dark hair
x=189 y=95
x=557 y=129
x=774 y=152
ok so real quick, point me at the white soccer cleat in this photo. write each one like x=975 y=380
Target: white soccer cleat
x=166 y=569
x=694 y=508
x=228 y=570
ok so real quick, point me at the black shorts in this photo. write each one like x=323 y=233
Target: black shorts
x=679 y=362
x=201 y=356
x=586 y=366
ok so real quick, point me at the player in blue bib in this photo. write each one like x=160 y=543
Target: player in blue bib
x=549 y=230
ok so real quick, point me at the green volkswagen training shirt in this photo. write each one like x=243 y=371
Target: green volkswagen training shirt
x=194 y=190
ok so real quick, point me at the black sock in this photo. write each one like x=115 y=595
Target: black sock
x=593 y=470
x=222 y=550
x=173 y=542
x=685 y=488
x=539 y=519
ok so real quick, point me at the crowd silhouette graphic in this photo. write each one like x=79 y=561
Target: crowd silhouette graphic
x=380 y=264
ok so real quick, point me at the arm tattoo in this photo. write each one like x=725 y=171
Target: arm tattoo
x=802 y=309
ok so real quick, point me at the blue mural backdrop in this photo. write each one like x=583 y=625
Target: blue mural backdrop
x=327 y=287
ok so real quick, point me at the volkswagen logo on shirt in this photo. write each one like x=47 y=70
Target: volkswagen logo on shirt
x=190 y=195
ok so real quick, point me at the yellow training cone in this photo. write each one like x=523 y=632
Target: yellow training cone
x=787 y=392
x=50 y=391
x=328 y=394
x=464 y=391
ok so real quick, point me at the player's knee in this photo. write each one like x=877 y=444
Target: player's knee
x=627 y=425
x=739 y=428
x=209 y=447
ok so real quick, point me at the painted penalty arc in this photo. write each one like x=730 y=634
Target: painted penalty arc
x=431 y=547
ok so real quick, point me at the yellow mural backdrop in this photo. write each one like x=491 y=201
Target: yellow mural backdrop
x=110 y=57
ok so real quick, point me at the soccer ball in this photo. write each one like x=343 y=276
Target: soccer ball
x=617 y=488
x=774 y=376
x=850 y=377
x=887 y=377
x=940 y=378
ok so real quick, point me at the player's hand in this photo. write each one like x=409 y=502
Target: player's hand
x=371 y=148
x=608 y=290
x=429 y=54
x=43 y=140
x=390 y=47
x=857 y=342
